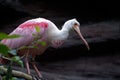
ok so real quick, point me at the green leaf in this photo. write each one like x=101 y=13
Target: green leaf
x=13 y=52
x=3 y=36
x=20 y=62
x=4 y=50
x=13 y=36
x=17 y=60
x=6 y=36
x=37 y=28
x=43 y=43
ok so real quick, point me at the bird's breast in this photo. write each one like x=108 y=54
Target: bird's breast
x=56 y=43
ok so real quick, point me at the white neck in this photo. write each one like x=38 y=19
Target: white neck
x=65 y=30
x=56 y=34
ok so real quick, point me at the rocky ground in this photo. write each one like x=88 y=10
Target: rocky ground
x=72 y=61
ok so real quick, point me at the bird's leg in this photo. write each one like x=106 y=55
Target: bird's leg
x=27 y=63
x=36 y=69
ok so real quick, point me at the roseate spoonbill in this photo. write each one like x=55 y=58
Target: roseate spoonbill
x=48 y=33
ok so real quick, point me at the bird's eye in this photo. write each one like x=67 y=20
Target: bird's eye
x=75 y=24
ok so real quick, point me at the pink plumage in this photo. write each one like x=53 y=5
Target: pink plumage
x=26 y=31
x=30 y=24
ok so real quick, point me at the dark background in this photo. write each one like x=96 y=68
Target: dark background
x=84 y=10
x=100 y=25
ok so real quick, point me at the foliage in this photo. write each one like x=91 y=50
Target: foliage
x=37 y=28
x=6 y=36
x=5 y=51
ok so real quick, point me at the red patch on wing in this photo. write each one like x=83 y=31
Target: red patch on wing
x=33 y=24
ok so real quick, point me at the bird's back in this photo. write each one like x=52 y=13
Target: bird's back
x=26 y=31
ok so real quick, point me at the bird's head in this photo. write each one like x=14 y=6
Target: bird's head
x=74 y=24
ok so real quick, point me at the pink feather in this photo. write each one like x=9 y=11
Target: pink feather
x=26 y=31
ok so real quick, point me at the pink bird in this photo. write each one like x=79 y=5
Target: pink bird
x=48 y=33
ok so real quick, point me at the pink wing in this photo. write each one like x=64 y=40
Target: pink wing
x=26 y=30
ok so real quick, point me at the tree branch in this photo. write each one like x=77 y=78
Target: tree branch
x=17 y=73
